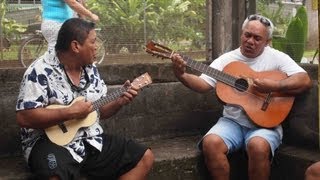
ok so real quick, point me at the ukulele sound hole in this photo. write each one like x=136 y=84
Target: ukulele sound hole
x=241 y=85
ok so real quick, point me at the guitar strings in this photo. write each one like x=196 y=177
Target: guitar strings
x=226 y=78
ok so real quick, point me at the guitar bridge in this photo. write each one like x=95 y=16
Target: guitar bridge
x=63 y=128
x=266 y=102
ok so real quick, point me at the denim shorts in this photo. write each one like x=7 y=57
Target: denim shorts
x=236 y=136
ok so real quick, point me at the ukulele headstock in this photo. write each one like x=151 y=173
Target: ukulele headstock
x=158 y=50
x=141 y=81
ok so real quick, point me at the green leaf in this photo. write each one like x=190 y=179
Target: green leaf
x=295 y=37
x=279 y=43
x=302 y=15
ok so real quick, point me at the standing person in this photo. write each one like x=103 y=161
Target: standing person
x=234 y=130
x=313 y=171
x=55 y=12
x=58 y=78
x=83 y=3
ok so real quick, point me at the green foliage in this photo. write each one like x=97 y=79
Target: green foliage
x=302 y=15
x=279 y=42
x=294 y=41
x=10 y=28
x=128 y=23
x=276 y=16
x=122 y=21
x=175 y=20
x=290 y=33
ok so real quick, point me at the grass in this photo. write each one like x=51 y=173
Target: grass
x=310 y=53
x=10 y=54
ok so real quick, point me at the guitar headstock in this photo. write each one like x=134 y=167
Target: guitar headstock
x=141 y=81
x=158 y=50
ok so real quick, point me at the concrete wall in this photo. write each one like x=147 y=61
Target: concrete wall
x=163 y=109
x=171 y=119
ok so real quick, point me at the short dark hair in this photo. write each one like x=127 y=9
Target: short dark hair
x=73 y=29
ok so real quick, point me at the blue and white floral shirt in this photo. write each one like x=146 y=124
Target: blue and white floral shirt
x=45 y=83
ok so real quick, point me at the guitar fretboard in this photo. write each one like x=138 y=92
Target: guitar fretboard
x=214 y=73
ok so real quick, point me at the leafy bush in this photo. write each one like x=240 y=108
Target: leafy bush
x=280 y=21
x=293 y=43
x=10 y=28
x=129 y=23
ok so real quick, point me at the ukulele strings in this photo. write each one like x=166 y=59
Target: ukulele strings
x=108 y=98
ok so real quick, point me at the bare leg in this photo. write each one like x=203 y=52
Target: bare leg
x=313 y=172
x=140 y=171
x=214 y=150
x=259 y=159
x=54 y=178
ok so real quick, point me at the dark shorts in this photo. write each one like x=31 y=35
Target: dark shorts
x=118 y=156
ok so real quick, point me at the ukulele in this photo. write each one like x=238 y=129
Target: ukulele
x=63 y=133
x=264 y=109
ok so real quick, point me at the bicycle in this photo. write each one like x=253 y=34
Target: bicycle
x=101 y=47
x=32 y=48
x=36 y=45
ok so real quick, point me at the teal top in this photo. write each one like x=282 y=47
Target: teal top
x=56 y=10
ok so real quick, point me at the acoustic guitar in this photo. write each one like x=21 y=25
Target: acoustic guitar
x=264 y=109
x=63 y=133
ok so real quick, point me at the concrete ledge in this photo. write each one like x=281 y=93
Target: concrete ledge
x=14 y=168
x=291 y=162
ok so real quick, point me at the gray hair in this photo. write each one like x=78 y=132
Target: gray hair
x=263 y=20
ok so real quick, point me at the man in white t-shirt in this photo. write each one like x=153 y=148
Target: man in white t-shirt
x=235 y=130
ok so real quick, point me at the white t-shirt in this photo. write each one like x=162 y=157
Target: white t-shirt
x=270 y=59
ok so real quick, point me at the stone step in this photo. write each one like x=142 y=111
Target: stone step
x=291 y=162
x=178 y=158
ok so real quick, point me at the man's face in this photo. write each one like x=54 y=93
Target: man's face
x=254 y=38
x=89 y=48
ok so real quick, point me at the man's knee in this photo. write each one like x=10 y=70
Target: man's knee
x=213 y=143
x=148 y=158
x=258 y=148
x=313 y=171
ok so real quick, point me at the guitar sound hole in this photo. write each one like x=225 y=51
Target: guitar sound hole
x=241 y=85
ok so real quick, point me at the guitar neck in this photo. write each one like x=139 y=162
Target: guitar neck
x=165 y=52
x=214 y=73
x=110 y=97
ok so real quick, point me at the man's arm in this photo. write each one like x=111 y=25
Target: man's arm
x=192 y=81
x=113 y=107
x=41 y=118
x=82 y=10
x=293 y=85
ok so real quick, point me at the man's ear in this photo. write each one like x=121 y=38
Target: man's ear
x=75 y=46
x=269 y=41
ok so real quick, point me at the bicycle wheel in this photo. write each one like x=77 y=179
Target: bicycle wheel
x=31 y=49
x=101 y=51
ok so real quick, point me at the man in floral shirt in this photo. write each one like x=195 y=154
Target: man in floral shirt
x=60 y=77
